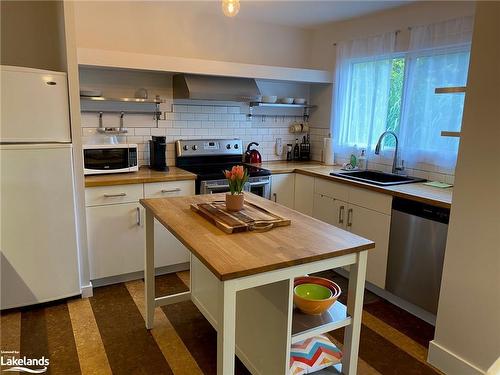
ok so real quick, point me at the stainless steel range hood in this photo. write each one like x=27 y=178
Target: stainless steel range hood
x=190 y=86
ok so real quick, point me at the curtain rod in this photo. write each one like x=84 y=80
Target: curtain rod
x=395 y=32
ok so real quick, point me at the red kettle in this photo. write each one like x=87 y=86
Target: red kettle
x=252 y=156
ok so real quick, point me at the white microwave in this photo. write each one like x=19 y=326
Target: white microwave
x=110 y=158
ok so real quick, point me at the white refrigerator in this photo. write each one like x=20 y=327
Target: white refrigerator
x=38 y=241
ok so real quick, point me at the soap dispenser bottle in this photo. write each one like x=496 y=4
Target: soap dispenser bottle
x=362 y=160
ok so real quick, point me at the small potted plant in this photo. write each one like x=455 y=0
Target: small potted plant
x=237 y=178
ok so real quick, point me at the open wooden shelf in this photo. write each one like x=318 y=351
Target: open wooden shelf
x=445 y=133
x=305 y=326
x=450 y=90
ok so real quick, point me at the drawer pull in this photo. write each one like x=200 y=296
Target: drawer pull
x=115 y=195
x=349 y=217
x=170 y=190
x=139 y=216
x=341 y=215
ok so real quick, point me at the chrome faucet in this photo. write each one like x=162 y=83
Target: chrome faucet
x=395 y=168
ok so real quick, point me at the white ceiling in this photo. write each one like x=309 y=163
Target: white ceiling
x=304 y=14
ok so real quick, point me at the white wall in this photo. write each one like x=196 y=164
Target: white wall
x=168 y=28
x=467 y=337
x=191 y=118
x=400 y=18
x=32 y=34
x=323 y=57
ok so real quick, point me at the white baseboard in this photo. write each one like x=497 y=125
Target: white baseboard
x=87 y=290
x=449 y=362
x=395 y=300
x=139 y=275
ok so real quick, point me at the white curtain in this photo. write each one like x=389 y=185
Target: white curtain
x=438 y=57
x=362 y=86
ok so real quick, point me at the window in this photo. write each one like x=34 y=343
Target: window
x=426 y=114
x=397 y=93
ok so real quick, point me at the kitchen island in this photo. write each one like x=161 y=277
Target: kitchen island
x=243 y=282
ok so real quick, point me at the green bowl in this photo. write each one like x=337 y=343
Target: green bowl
x=313 y=292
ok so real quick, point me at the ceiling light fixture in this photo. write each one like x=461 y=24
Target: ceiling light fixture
x=230 y=8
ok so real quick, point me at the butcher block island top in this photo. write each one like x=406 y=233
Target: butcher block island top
x=235 y=255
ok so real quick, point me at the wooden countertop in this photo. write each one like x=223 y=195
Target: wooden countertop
x=417 y=191
x=231 y=256
x=144 y=175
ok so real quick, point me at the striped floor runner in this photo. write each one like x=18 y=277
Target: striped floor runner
x=105 y=334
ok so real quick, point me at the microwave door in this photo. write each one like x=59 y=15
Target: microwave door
x=106 y=160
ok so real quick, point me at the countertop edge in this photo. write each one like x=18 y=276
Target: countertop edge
x=136 y=178
x=375 y=188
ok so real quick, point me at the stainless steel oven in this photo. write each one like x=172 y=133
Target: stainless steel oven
x=258 y=185
x=110 y=158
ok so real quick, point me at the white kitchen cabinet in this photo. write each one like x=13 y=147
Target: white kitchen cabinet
x=115 y=228
x=337 y=204
x=116 y=239
x=329 y=210
x=304 y=194
x=282 y=189
x=374 y=226
x=168 y=249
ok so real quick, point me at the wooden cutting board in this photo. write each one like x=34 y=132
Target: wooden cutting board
x=251 y=218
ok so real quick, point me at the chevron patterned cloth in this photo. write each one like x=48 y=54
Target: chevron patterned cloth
x=312 y=355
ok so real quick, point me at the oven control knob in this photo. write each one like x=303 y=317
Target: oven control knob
x=185 y=147
x=236 y=146
x=228 y=146
x=194 y=147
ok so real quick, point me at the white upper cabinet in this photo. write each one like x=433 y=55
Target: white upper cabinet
x=34 y=106
x=282 y=189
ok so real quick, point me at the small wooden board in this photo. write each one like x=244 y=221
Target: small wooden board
x=251 y=218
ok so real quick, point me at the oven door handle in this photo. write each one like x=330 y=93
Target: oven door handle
x=216 y=187
x=257 y=184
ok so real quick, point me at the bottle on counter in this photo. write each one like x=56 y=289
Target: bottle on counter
x=289 y=152
x=362 y=160
x=296 y=150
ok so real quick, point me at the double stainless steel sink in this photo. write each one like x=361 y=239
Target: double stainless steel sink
x=377 y=178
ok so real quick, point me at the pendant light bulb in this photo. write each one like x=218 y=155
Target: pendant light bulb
x=230 y=8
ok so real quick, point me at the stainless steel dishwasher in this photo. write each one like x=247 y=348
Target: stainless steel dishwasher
x=416 y=252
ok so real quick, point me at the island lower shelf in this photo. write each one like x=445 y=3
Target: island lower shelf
x=305 y=326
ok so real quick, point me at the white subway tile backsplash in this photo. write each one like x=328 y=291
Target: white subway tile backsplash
x=165 y=123
x=233 y=109
x=220 y=109
x=142 y=131
x=194 y=108
x=158 y=131
x=187 y=116
x=179 y=108
x=207 y=109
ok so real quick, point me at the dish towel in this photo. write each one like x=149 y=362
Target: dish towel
x=312 y=355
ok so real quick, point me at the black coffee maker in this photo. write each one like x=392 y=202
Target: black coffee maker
x=158 y=154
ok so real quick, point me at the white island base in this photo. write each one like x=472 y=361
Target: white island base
x=254 y=315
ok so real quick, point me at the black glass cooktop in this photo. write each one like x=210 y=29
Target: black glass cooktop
x=215 y=171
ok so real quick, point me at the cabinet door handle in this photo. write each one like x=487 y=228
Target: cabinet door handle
x=275 y=197
x=341 y=215
x=170 y=190
x=115 y=195
x=349 y=217
x=139 y=220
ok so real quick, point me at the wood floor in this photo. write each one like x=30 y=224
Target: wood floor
x=105 y=334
